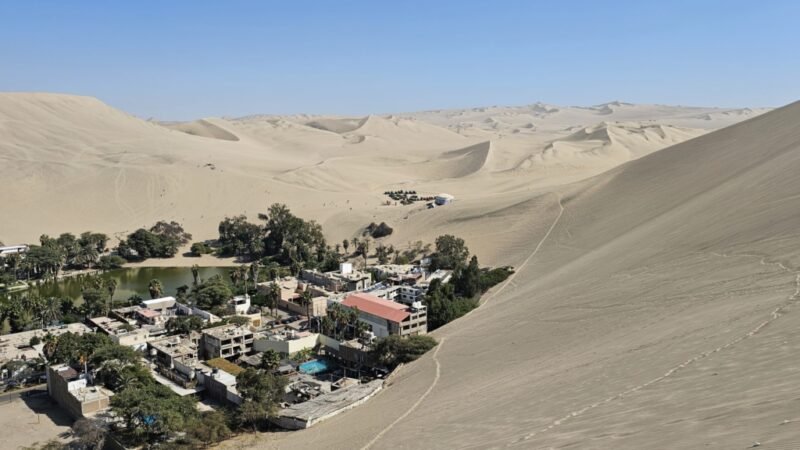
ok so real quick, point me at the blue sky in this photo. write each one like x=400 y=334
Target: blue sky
x=190 y=59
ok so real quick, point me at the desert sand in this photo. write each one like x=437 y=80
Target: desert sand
x=79 y=164
x=655 y=299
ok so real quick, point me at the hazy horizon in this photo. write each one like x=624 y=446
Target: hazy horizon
x=182 y=61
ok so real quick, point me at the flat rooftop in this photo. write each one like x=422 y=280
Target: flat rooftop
x=14 y=346
x=227 y=331
x=175 y=346
x=330 y=404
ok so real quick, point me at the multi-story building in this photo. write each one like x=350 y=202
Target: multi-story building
x=386 y=317
x=227 y=341
x=344 y=280
x=177 y=356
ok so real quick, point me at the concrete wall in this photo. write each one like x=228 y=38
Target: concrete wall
x=58 y=389
x=288 y=346
x=329 y=342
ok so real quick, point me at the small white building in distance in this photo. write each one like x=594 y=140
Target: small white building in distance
x=13 y=250
x=444 y=199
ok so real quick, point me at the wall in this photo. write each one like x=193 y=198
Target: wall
x=329 y=342
x=58 y=388
x=288 y=346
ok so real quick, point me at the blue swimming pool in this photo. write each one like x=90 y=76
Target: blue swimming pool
x=315 y=366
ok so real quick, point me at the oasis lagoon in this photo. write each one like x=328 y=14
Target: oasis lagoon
x=130 y=281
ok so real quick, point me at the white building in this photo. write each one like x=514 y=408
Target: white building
x=13 y=250
x=444 y=199
x=239 y=304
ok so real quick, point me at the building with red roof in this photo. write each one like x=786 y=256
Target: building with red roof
x=386 y=317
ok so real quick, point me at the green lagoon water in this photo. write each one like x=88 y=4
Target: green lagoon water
x=130 y=281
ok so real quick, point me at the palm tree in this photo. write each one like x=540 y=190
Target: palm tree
x=243 y=271
x=354 y=241
x=270 y=360
x=155 y=288
x=361 y=328
x=52 y=310
x=274 y=295
x=254 y=268
x=352 y=320
x=346 y=245
x=338 y=248
x=306 y=300
x=195 y=273
x=326 y=325
x=111 y=286
x=365 y=251
x=87 y=255
x=234 y=274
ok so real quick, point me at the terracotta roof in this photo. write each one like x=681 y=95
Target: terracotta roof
x=149 y=313
x=385 y=309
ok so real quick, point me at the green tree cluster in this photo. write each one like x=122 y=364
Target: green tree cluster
x=184 y=324
x=212 y=293
x=449 y=301
x=394 y=350
x=284 y=239
x=451 y=252
x=162 y=240
x=262 y=393
x=238 y=237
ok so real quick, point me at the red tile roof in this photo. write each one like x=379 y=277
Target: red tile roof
x=149 y=313
x=385 y=309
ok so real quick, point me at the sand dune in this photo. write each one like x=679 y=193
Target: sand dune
x=655 y=303
x=203 y=128
x=608 y=144
x=91 y=166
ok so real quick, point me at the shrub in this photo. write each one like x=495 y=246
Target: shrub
x=379 y=231
x=394 y=350
x=200 y=248
x=108 y=262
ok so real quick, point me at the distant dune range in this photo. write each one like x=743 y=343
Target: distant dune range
x=79 y=164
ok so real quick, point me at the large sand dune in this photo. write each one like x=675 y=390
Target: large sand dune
x=655 y=306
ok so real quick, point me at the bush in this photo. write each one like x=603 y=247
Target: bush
x=492 y=277
x=108 y=262
x=200 y=248
x=36 y=340
x=394 y=350
x=379 y=231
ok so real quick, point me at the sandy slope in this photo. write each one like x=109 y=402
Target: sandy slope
x=656 y=307
x=78 y=164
